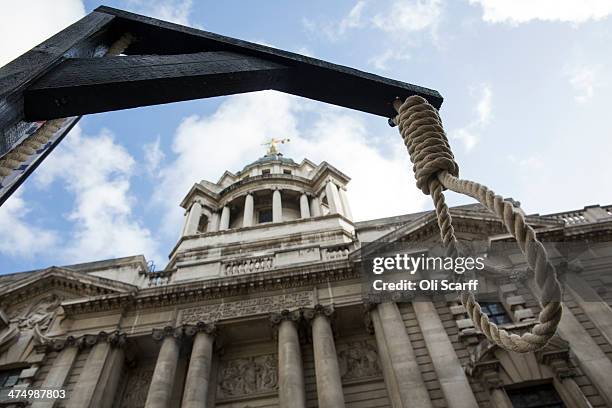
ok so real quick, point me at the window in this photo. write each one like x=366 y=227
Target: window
x=496 y=312
x=265 y=171
x=203 y=224
x=539 y=396
x=286 y=171
x=264 y=215
x=9 y=378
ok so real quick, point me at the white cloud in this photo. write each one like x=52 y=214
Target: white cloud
x=153 y=155
x=409 y=16
x=20 y=237
x=174 y=11
x=353 y=19
x=398 y=17
x=381 y=61
x=102 y=219
x=470 y=134
x=522 y=11
x=231 y=137
x=584 y=80
x=25 y=24
x=333 y=30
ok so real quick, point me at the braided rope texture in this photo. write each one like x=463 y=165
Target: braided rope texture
x=36 y=140
x=435 y=169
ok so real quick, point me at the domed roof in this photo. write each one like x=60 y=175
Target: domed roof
x=268 y=158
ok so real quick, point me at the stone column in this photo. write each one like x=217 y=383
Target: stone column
x=453 y=381
x=403 y=378
x=56 y=378
x=108 y=383
x=304 y=207
x=247 y=219
x=327 y=371
x=225 y=219
x=345 y=203
x=85 y=389
x=277 y=207
x=315 y=207
x=213 y=223
x=197 y=382
x=193 y=219
x=291 y=391
x=333 y=198
x=162 y=383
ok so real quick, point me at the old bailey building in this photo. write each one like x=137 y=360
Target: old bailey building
x=262 y=305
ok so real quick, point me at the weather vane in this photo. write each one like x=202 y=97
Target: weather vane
x=273 y=145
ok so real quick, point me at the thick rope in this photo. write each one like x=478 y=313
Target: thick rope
x=435 y=169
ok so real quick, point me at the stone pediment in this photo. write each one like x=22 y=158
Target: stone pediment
x=78 y=284
x=473 y=218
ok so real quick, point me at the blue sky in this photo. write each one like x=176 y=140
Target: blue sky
x=527 y=85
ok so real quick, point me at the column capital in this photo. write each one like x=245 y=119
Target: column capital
x=200 y=327
x=160 y=334
x=291 y=315
x=115 y=338
x=319 y=310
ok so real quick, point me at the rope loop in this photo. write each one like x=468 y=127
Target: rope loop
x=421 y=129
x=435 y=170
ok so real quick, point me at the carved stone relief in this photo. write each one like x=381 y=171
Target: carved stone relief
x=247 y=376
x=358 y=359
x=40 y=313
x=249 y=307
x=137 y=387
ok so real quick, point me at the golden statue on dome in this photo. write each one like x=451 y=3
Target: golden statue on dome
x=273 y=146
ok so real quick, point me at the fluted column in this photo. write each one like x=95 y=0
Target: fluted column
x=197 y=382
x=333 y=198
x=193 y=219
x=247 y=219
x=304 y=207
x=315 y=207
x=83 y=394
x=327 y=371
x=291 y=391
x=453 y=380
x=345 y=204
x=56 y=378
x=277 y=207
x=225 y=219
x=403 y=378
x=162 y=383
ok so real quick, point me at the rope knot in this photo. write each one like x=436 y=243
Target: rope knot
x=421 y=128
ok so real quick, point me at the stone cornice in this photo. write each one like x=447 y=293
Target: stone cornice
x=305 y=275
x=64 y=279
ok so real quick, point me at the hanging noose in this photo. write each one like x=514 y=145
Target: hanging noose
x=435 y=170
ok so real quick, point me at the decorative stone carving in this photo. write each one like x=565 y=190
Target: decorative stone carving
x=115 y=339
x=319 y=309
x=137 y=387
x=249 y=307
x=192 y=330
x=159 y=334
x=247 y=376
x=358 y=359
x=39 y=313
x=278 y=317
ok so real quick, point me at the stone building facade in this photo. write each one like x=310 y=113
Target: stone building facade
x=261 y=305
